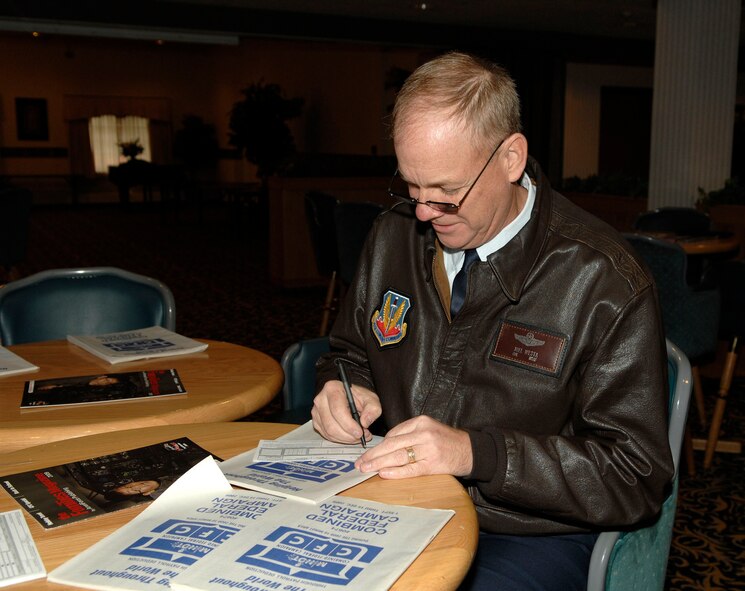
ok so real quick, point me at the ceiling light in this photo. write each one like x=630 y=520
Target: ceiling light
x=97 y=30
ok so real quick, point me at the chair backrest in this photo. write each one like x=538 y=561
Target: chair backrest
x=52 y=304
x=637 y=560
x=15 y=214
x=353 y=223
x=319 y=213
x=685 y=221
x=729 y=278
x=299 y=366
x=690 y=316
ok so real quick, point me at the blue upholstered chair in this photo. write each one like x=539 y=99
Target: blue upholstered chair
x=319 y=214
x=690 y=313
x=15 y=216
x=54 y=303
x=353 y=221
x=684 y=221
x=636 y=560
x=299 y=365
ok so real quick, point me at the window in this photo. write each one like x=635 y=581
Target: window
x=108 y=131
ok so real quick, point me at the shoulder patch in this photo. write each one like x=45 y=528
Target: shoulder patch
x=387 y=322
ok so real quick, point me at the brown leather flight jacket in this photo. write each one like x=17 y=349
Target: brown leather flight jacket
x=555 y=365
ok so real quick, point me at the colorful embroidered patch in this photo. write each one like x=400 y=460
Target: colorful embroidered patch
x=530 y=347
x=387 y=323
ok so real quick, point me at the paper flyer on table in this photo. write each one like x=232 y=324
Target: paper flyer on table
x=133 y=345
x=190 y=520
x=310 y=481
x=341 y=543
x=19 y=557
x=12 y=364
x=202 y=534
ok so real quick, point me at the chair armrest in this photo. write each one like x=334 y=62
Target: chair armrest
x=599 y=560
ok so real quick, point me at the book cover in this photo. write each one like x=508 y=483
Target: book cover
x=71 y=492
x=11 y=364
x=133 y=345
x=101 y=388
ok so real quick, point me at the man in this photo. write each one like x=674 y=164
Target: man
x=546 y=392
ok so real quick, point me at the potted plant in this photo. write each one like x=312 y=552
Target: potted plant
x=131 y=149
x=726 y=208
x=258 y=128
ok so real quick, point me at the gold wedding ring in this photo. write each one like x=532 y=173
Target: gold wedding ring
x=411 y=454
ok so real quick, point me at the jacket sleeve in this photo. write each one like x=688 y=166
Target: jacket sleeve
x=612 y=466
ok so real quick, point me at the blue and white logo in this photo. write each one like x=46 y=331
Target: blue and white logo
x=310 y=556
x=180 y=542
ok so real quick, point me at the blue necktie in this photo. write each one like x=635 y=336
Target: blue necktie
x=460 y=283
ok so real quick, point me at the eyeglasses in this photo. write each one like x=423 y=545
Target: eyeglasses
x=441 y=206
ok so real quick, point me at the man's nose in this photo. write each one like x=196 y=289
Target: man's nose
x=425 y=213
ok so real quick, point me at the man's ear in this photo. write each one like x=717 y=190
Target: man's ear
x=516 y=154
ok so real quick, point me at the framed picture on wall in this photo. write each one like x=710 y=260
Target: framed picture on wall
x=31 y=119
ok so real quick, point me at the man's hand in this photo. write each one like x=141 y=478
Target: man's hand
x=332 y=417
x=420 y=446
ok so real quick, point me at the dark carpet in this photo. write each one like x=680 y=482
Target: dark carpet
x=216 y=265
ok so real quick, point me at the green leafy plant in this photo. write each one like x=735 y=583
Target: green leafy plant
x=131 y=149
x=258 y=127
x=608 y=184
x=733 y=193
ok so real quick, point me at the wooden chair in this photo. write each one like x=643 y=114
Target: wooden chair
x=729 y=277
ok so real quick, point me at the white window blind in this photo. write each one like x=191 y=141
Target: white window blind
x=108 y=131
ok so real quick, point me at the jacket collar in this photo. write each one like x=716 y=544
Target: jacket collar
x=513 y=263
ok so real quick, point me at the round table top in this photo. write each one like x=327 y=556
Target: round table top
x=223 y=383
x=713 y=243
x=441 y=566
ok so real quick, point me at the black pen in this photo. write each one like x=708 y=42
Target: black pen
x=350 y=399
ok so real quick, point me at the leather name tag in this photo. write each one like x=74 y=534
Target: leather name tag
x=530 y=347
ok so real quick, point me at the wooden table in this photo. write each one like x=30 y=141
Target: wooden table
x=441 y=566
x=712 y=244
x=224 y=383
x=708 y=245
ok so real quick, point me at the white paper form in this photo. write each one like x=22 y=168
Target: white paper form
x=309 y=450
x=307 y=481
x=19 y=556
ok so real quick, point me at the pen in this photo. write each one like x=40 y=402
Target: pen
x=350 y=399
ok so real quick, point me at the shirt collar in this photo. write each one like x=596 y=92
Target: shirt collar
x=454 y=258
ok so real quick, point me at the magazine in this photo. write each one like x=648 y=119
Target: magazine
x=202 y=535
x=100 y=388
x=133 y=345
x=307 y=481
x=79 y=490
x=11 y=364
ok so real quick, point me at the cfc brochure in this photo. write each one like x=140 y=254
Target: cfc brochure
x=133 y=345
x=202 y=534
x=309 y=481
